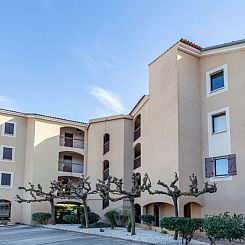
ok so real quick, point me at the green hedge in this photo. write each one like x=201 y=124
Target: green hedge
x=41 y=218
x=185 y=226
x=71 y=218
x=148 y=219
x=92 y=218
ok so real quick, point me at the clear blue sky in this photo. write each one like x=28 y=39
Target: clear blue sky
x=85 y=59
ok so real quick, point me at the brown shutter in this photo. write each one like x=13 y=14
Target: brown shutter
x=232 y=164
x=209 y=167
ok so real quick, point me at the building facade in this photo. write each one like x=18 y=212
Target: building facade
x=192 y=121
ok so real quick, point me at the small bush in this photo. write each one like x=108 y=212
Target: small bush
x=41 y=218
x=99 y=225
x=111 y=217
x=224 y=226
x=92 y=218
x=129 y=226
x=185 y=226
x=148 y=219
x=71 y=219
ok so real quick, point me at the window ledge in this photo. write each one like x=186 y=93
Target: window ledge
x=221 y=178
x=216 y=90
x=220 y=132
x=9 y=135
x=6 y=160
x=6 y=187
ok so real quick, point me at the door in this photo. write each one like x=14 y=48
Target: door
x=156 y=213
x=67 y=163
x=69 y=139
x=187 y=210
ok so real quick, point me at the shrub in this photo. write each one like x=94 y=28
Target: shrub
x=71 y=218
x=100 y=225
x=92 y=218
x=129 y=226
x=224 y=226
x=111 y=217
x=148 y=219
x=185 y=226
x=41 y=218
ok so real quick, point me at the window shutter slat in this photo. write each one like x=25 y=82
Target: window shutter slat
x=232 y=164
x=209 y=167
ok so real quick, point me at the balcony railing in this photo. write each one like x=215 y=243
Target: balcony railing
x=137 y=162
x=70 y=167
x=137 y=133
x=106 y=174
x=71 y=142
x=106 y=147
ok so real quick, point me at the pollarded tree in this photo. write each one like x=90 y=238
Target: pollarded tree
x=37 y=194
x=174 y=192
x=81 y=189
x=112 y=189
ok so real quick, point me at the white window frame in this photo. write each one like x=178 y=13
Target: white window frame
x=217 y=112
x=11 y=182
x=208 y=80
x=3 y=129
x=13 y=153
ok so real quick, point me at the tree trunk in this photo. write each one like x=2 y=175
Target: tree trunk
x=175 y=200
x=85 y=208
x=212 y=240
x=132 y=210
x=53 y=221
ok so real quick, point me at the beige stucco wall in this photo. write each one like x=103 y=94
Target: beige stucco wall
x=119 y=155
x=16 y=167
x=227 y=197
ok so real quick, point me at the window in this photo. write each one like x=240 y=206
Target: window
x=9 y=128
x=137 y=127
x=7 y=153
x=219 y=122
x=137 y=156
x=221 y=166
x=217 y=81
x=106 y=146
x=5 y=179
x=105 y=170
x=105 y=203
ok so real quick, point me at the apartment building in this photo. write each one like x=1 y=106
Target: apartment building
x=192 y=121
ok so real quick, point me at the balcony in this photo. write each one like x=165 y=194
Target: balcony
x=71 y=142
x=70 y=167
x=137 y=162
x=70 y=162
x=137 y=133
x=72 y=137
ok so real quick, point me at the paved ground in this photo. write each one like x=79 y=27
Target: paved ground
x=29 y=235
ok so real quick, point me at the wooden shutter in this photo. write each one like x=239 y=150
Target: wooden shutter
x=209 y=167
x=232 y=164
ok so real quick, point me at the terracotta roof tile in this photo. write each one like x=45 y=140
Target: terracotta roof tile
x=187 y=42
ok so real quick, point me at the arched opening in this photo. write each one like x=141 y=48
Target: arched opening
x=63 y=208
x=138 y=182
x=5 y=209
x=159 y=210
x=137 y=212
x=72 y=137
x=137 y=156
x=106 y=143
x=137 y=127
x=192 y=210
x=106 y=166
x=71 y=162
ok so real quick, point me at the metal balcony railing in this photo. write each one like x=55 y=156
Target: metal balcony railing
x=137 y=162
x=106 y=147
x=70 y=167
x=71 y=142
x=106 y=174
x=137 y=133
